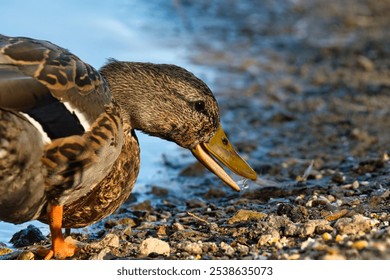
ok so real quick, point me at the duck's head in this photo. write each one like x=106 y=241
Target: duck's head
x=169 y=102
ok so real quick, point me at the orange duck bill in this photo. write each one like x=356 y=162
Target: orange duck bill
x=220 y=148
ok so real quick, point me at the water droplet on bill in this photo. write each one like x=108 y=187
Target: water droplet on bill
x=243 y=183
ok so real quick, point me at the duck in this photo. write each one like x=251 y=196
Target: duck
x=69 y=153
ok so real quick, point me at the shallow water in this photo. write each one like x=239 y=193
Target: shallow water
x=125 y=30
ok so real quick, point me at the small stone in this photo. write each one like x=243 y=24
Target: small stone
x=151 y=218
x=338 y=177
x=177 y=227
x=352 y=226
x=337 y=215
x=336 y=256
x=339 y=238
x=365 y=63
x=209 y=247
x=127 y=221
x=193 y=248
x=110 y=240
x=295 y=256
x=4 y=251
x=154 y=245
x=355 y=184
x=242 y=249
x=213 y=227
x=26 y=256
x=326 y=236
x=264 y=239
x=162 y=230
x=360 y=245
x=127 y=230
x=308 y=243
x=229 y=250
x=245 y=215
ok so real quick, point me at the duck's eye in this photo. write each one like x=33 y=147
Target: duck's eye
x=199 y=106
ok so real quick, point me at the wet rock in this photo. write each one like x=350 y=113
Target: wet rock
x=241 y=249
x=26 y=256
x=162 y=230
x=338 y=177
x=4 y=251
x=360 y=245
x=102 y=249
x=269 y=239
x=27 y=236
x=296 y=214
x=308 y=228
x=209 y=247
x=354 y=225
x=243 y=215
x=127 y=221
x=228 y=250
x=193 y=248
x=154 y=245
x=177 y=227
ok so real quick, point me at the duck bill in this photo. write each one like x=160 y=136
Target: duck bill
x=220 y=148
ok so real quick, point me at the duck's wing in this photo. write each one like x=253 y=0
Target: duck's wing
x=79 y=127
x=22 y=175
x=45 y=80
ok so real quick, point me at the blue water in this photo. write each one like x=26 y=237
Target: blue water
x=150 y=31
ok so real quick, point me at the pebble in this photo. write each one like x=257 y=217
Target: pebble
x=26 y=256
x=4 y=251
x=245 y=215
x=360 y=245
x=154 y=245
x=177 y=227
x=193 y=248
x=339 y=238
x=326 y=236
x=336 y=215
x=336 y=256
x=127 y=221
x=110 y=240
x=209 y=247
x=365 y=63
x=295 y=256
x=243 y=250
x=352 y=226
x=162 y=230
x=229 y=250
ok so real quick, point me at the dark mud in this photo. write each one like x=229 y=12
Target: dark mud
x=304 y=93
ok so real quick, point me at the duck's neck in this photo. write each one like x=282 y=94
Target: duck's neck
x=138 y=88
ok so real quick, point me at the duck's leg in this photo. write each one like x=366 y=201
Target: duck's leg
x=59 y=248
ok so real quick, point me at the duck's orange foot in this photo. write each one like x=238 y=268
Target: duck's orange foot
x=61 y=250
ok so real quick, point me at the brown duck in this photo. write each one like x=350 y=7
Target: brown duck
x=69 y=155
